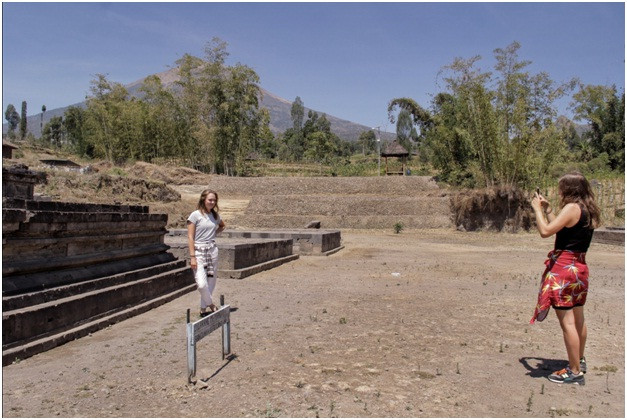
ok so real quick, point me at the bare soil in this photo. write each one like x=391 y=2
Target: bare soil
x=426 y=323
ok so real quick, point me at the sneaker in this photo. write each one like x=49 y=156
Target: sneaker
x=566 y=376
x=582 y=365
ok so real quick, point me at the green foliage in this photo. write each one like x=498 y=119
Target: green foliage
x=604 y=111
x=368 y=142
x=54 y=132
x=406 y=133
x=398 y=227
x=312 y=140
x=13 y=119
x=498 y=128
x=212 y=123
x=23 y=121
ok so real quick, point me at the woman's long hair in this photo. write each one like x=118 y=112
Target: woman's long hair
x=201 y=203
x=575 y=188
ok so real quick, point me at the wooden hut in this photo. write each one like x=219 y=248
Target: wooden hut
x=395 y=149
x=7 y=149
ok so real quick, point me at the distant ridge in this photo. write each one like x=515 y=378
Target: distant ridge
x=279 y=109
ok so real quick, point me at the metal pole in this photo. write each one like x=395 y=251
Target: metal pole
x=378 y=128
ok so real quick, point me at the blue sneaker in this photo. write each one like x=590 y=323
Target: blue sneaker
x=566 y=376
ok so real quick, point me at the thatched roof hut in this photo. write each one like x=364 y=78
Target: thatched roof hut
x=395 y=149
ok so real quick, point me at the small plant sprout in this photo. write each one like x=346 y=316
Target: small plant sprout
x=398 y=227
x=530 y=402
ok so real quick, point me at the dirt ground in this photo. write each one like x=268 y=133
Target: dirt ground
x=426 y=323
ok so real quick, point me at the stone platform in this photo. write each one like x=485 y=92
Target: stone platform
x=609 y=235
x=238 y=258
x=306 y=241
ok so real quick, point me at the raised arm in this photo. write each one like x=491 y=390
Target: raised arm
x=568 y=217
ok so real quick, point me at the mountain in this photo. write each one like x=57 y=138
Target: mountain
x=279 y=108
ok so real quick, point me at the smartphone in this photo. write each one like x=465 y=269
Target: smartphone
x=538 y=191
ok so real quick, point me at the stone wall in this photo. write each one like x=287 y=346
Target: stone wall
x=69 y=269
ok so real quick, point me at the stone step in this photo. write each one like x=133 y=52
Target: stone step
x=57 y=206
x=14 y=264
x=51 y=341
x=60 y=224
x=269 y=186
x=70 y=282
x=434 y=220
x=39 y=321
x=352 y=205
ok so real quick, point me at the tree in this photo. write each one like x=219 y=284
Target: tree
x=106 y=120
x=267 y=146
x=297 y=111
x=491 y=129
x=605 y=113
x=225 y=100
x=73 y=122
x=367 y=140
x=41 y=122
x=23 y=121
x=13 y=119
x=164 y=132
x=405 y=131
x=54 y=131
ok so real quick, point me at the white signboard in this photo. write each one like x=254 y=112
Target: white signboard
x=196 y=331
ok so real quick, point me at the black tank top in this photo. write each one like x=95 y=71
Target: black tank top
x=576 y=238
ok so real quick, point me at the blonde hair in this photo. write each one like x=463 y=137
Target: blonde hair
x=201 y=203
x=575 y=188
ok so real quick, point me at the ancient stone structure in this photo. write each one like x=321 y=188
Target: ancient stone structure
x=244 y=253
x=609 y=235
x=69 y=269
x=306 y=241
x=239 y=258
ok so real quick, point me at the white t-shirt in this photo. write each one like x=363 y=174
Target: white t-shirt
x=206 y=226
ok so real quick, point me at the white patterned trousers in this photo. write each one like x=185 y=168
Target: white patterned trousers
x=206 y=272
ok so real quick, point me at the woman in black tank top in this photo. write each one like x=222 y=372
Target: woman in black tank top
x=564 y=284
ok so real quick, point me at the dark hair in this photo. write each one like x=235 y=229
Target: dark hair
x=575 y=188
x=201 y=203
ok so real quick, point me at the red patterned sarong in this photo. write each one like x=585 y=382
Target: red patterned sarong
x=564 y=282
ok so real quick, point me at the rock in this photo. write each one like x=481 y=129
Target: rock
x=314 y=224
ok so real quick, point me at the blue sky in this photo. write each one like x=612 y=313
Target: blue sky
x=346 y=59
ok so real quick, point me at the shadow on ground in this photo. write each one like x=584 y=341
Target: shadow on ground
x=538 y=367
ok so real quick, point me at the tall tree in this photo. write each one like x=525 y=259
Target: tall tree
x=23 y=121
x=106 y=121
x=492 y=129
x=13 y=119
x=297 y=111
x=405 y=131
x=367 y=140
x=54 y=132
x=601 y=107
x=41 y=121
x=73 y=122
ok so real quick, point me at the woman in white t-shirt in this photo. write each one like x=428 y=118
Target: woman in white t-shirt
x=202 y=227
